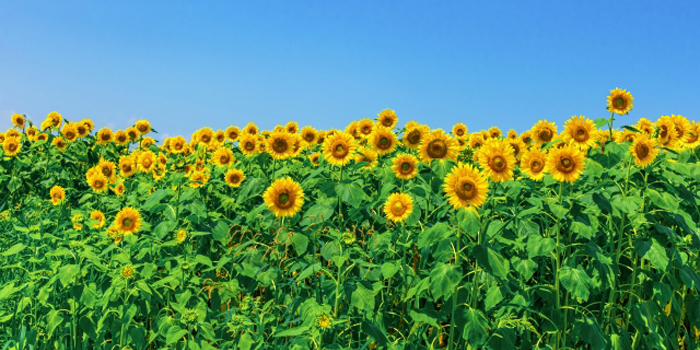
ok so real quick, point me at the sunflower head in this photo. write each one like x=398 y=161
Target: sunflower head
x=437 y=145
x=223 y=157
x=284 y=197
x=121 y=138
x=476 y=141
x=644 y=150
x=53 y=121
x=324 y=321
x=620 y=101
x=133 y=133
x=99 y=218
x=459 y=131
x=413 y=136
x=248 y=144
x=465 y=186
x=543 y=132
x=127 y=272
x=18 y=120
x=580 y=132
x=128 y=221
x=146 y=161
x=398 y=207
x=495 y=132
x=59 y=143
x=181 y=236
x=405 y=166
x=497 y=159
x=309 y=135
x=338 y=148
x=565 y=163
x=387 y=118
x=279 y=145
x=143 y=126
x=127 y=165
x=315 y=158
x=147 y=142
x=11 y=146
x=97 y=181
x=667 y=133
x=104 y=136
x=57 y=194
x=69 y=132
x=645 y=125
x=533 y=162
x=365 y=127
x=232 y=133
x=292 y=127
x=251 y=129
x=383 y=140
x=512 y=134
x=234 y=177
x=82 y=129
x=119 y=189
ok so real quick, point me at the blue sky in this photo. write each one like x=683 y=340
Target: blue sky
x=184 y=65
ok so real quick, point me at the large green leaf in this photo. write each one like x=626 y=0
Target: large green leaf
x=362 y=297
x=444 y=278
x=492 y=261
x=651 y=250
x=475 y=327
x=576 y=281
x=540 y=246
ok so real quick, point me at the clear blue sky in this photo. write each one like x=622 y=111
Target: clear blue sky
x=184 y=65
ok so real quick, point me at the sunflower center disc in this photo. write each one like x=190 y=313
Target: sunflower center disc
x=98 y=184
x=499 y=162
x=619 y=102
x=405 y=167
x=127 y=223
x=642 y=150
x=467 y=187
x=437 y=149
x=545 y=135
x=397 y=207
x=413 y=137
x=536 y=166
x=567 y=163
x=386 y=122
x=384 y=141
x=284 y=198
x=12 y=147
x=309 y=137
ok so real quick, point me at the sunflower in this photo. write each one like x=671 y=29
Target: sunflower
x=624 y=136
x=223 y=157
x=292 y=127
x=69 y=132
x=338 y=148
x=693 y=135
x=518 y=147
x=262 y=145
x=497 y=159
x=668 y=135
x=248 y=144
x=383 y=140
x=31 y=132
x=219 y=136
x=177 y=144
x=88 y=124
x=127 y=166
x=279 y=145
x=459 y=131
x=18 y=120
x=476 y=141
x=526 y=136
x=121 y=138
x=579 y=131
x=53 y=121
x=543 y=132
x=232 y=133
x=644 y=150
x=57 y=194
x=387 y=118
x=465 y=186
x=146 y=161
x=181 y=236
x=620 y=101
x=315 y=158
x=366 y=154
x=645 y=125
x=495 y=132
x=82 y=129
x=682 y=125
x=97 y=181
x=277 y=128
x=143 y=126
x=104 y=136
x=251 y=129
x=324 y=321
x=405 y=166
x=284 y=197
x=566 y=163
x=2 y=137
x=437 y=145
x=512 y=134
x=354 y=130
x=297 y=145
x=119 y=189
x=159 y=171
x=533 y=162
x=99 y=218
x=309 y=135
x=42 y=137
x=365 y=126
x=127 y=272
x=204 y=136
x=234 y=177
x=413 y=135
x=11 y=146
x=199 y=178
x=59 y=143
x=398 y=207
x=321 y=137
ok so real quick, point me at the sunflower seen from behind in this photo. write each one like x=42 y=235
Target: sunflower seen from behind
x=398 y=207
x=284 y=197
x=644 y=150
x=339 y=148
x=566 y=163
x=465 y=186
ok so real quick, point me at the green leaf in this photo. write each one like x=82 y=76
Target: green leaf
x=652 y=251
x=174 y=334
x=602 y=202
x=540 y=246
x=373 y=331
x=690 y=278
x=576 y=281
x=525 y=267
x=14 y=249
x=389 y=269
x=7 y=290
x=469 y=220
x=67 y=273
x=663 y=200
x=153 y=199
x=54 y=321
x=444 y=278
x=318 y=213
x=495 y=227
x=492 y=261
x=300 y=243
x=292 y=332
x=437 y=233
x=220 y=232
x=475 y=327
x=362 y=298
x=493 y=297
x=423 y=316
x=600 y=122
x=589 y=331
x=350 y=193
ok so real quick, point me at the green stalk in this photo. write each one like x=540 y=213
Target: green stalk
x=557 y=286
x=612 y=312
x=454 y=296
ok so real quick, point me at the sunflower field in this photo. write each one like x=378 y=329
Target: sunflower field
x=370 y=236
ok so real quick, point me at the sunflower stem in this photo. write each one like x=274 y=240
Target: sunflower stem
x=454 y=295
x=610 y=126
